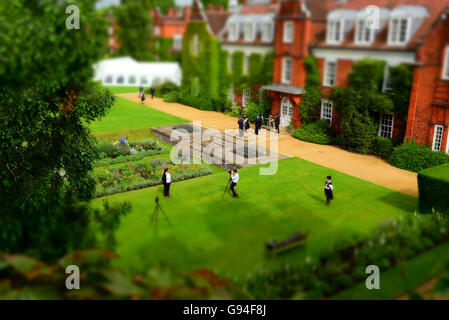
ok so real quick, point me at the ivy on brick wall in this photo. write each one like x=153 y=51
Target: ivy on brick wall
x=200 y=67
x=401 y=77
x=360 y=104
x=311 y=102
x=161 y=49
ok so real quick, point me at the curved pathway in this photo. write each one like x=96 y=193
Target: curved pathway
x=366 y=167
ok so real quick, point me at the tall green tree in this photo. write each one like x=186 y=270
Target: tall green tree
x=163 y=5
x=47 y=100
x=134 y=30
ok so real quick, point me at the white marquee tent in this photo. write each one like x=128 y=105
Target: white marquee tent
x=129 y=72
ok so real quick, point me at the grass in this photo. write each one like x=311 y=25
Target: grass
x=417 y=271
x=227 y=235
x=127 y=118
x=123 y=89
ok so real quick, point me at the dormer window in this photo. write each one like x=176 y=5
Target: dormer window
x=369 y=22
x=339 y=22
x=232 y=32
x=249 y=31
x=288 y=32
x=267 y=31
x=404 y=21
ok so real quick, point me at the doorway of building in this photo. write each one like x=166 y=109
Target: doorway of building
x=286 y=112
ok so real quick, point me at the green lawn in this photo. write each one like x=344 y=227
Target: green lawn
x=228 y=235
x=127 y=118
x=123 y=89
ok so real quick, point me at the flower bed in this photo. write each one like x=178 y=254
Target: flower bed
x=142 y=174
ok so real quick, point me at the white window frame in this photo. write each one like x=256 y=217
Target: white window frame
x=232 y=31
x=246 y=64
x=267 y=32
x=363 y=31
x=326 y=77
x=394 y=34
x=325 y=114
x=246 y=95
x=177 y=42
x=332 y=32
x=445 y=74
x=435 y=136
x=447 y=143
x=286 y=79
x=386 y=87
x=231 y=62
x=386 y=129
x=231 y=95
x=288 y=33
x=249 y=31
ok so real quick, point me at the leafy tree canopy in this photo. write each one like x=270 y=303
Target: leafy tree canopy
x=47 y=99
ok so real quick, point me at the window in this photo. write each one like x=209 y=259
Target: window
x=267 y=32
x=157 y=31
x=249 y=31
x=231 y=93
x=286 y=70
x=246 y=97
x=363 y=34
x=398 y=31
x=143 y=80
x=446 y=64
x=247 y=62
x=386 y=126
x=132 y=80
x=288 y=32
x=195 y=86
x=177 y=42
x=108 y=79
x=326 y=110
x=437 y=137
x=387 y=81
x=121 y=79
x=334 y=32
x=195 y=45
x=232 y=34
x=330 y=73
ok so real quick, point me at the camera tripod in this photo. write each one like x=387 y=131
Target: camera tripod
x=226 y=188
x=156 y=210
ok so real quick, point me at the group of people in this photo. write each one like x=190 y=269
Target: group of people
x=244 y=124
x=142 y=93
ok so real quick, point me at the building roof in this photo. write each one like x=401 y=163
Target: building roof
x=283 y=89
x=431 y=10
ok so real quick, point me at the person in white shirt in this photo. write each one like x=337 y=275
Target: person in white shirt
x=329 y=190
x=235 y=179
x=166 y=180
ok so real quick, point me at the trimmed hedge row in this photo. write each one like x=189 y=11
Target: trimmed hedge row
x=317 y=132
x=414 y=157
x=433 y=185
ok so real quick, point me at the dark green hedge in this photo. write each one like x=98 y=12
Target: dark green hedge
x=316 y=132
x=414 y=157
x=433 y=184
x=382 y=147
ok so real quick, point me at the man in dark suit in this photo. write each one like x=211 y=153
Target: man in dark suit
x=329 y=190
x=166 y=180
x=257 y=125
x=240 y=122
x=152 y=91
x=277 y=121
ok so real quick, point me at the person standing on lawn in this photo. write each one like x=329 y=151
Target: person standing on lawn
x=166 y=180
x=329 y=190
x=235 y=179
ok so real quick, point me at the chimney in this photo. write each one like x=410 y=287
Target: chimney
x=186 y=12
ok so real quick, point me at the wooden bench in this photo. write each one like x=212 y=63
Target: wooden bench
x=297 y=239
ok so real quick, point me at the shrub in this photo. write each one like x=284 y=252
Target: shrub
x=171 y=96
x=316 y=132
x=253 y=110
x=414 y=157
x=163 y=88
x=382 y=147
x=433 y=185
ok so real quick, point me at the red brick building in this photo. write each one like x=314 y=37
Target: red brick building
x=415 y=32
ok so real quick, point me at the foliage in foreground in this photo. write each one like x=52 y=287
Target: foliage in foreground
x=47 y=101
x=395 y=242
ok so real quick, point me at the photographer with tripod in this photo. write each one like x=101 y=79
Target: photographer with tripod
x=166 y=180
x=234 y=178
